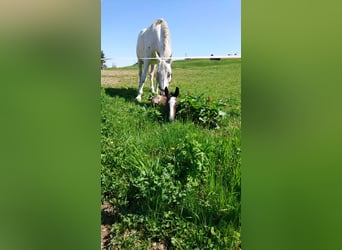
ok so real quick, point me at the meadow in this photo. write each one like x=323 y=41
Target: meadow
x=173 y=185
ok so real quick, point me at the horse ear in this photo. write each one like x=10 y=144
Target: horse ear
x=177 y=92
x=157 y=56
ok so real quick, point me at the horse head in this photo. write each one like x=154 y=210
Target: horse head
x=164 y=73
x=169 y=99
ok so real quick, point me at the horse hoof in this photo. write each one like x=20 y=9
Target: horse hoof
x=138 y=98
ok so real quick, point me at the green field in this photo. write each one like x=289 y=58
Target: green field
x=173 y=185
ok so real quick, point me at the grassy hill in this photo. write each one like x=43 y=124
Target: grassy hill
x=175 y=185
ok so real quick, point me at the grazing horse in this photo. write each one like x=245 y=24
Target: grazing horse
x=154 y=47
x=169 y=100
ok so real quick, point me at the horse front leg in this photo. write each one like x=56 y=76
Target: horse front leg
x=142 y=78
x=154 y=91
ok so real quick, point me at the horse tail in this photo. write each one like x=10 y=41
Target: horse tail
x=165 y=34
x=159 y=21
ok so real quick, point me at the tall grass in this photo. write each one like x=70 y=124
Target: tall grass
x=175 y=183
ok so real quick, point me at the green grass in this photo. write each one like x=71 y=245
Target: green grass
x=175 y=183
x=217 y=79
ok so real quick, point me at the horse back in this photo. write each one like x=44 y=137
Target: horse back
x=154 y=39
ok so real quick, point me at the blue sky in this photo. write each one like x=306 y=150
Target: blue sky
x=197 y=27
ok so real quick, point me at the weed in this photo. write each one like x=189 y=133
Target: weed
x=201 y=110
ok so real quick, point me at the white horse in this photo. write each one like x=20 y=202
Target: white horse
x=154 y=47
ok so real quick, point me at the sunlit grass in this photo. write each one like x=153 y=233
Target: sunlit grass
x=177 y=183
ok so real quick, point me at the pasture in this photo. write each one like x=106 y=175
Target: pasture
x=171 y=185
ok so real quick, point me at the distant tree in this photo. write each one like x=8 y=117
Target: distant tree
x=102 y=60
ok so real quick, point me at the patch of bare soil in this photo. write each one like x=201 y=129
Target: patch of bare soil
x=112 y=77
x=108 y=212
x=159 y=246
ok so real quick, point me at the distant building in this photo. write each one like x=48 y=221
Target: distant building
x=214 y=58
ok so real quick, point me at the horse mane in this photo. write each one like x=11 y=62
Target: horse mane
x=165 y=36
